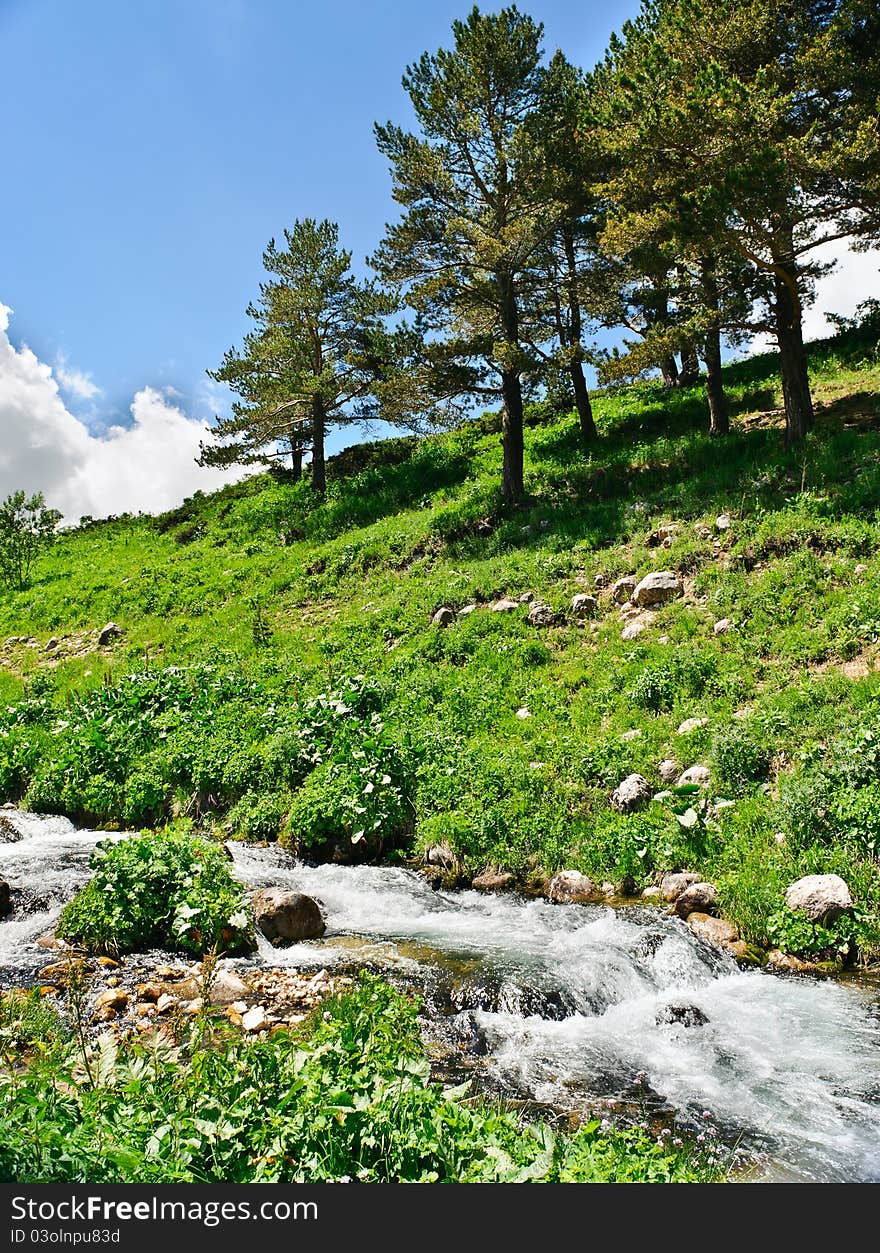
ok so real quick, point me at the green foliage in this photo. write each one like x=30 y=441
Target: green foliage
x=349 y=1099
x=742 y=757
x=793 y=932
x=171 y=891
x=27 y=527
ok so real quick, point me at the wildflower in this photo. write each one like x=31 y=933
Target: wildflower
x=677 y=1141
x=605 y=1124
x=707 y=1113
x=701 y=1139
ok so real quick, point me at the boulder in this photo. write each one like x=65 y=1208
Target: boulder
x=622 y=590
x=652 y=893
x=600 y=581
x=505 y=605
x=492 y=880
x=5 y=899
x=110 y=632
x=155 y=990
x=690 y=725
x=227 y=987
x=285 y=916
x=632 y=630
x=668 y=770
x=466 y=611
x=526 y=598
x=255 y=1019
x=440 y=855
x=694 y=774
x=699 y=898
x=715 y=930
x=584 y=606
x=113 y=1000
x=822 y=897
x=682 y=1015
x=570 y=887
x=541 y=615
x=443 y=616
x=785 y=963
x=657 y=588
x=673 y=885
x=722 y=522
x=632 y=793
x=722 y=626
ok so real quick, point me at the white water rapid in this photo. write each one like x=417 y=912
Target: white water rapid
x=568 y=1005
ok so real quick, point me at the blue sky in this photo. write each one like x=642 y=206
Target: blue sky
x=151 y=150
x=155 y=147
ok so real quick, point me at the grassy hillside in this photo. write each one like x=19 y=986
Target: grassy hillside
x=278 y=674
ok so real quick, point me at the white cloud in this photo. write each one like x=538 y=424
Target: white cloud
x=75 y=382
x=147 y=466
x=853 y=280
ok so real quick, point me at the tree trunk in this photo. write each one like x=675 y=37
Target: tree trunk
x=319 y=474
x=576 y=368
x=512 y=437
x=690 y=367
x=669 y=370
x=511 y=392
x=582 y=401
x=792 y=355
x=719 y=416
x=296 y=459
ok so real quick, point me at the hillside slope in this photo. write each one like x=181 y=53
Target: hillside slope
x=278 y=672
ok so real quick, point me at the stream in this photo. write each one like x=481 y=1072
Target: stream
x=574 y=1008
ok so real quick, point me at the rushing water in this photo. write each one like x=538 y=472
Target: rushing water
x=569 y=1005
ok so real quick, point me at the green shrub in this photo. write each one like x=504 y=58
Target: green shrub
x=172 y=890
x=742 y=757
x=258 y=816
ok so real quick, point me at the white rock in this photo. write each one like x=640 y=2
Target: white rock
x=635 y=734
x=443 y=616
x=505 y=605
x=657 y=588
x=722 y=522
x=652 y=894
x=668 y=770
x=691 y=724
x=527 y=598
x=822 y=897
x=570 y=887
x=523 y=713
x=632 y=630
x=468 y=609
x=255 y=1019
x=631 y=793
x=694 y=774
x=541 y=615
x=722 y=626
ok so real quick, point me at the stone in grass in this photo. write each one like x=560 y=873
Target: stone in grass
x=255 y=1019
x=443 y=617
x=699 y=898
x=467 y=611
x=822 y=897
x=584 y=606
x=631 y=793
x=715 y=930
x=657 y=588
x=722 y=626
x=673 y=885
x=492 y=880
x=286 y=916
x=722 y=522
x=694 y=774
x=541 y=615
x=110 y=632
x=632 y=631
x=570 y=887
x=690 y=725
x=668 y=770
x=505 y=605
x=622 y=590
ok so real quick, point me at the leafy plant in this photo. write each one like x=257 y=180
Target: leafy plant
x=172 y=891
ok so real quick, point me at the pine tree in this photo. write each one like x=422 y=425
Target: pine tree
x=718 y=113
x=463 y=250
x=312 y=360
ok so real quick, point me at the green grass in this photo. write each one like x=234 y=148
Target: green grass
x=279 y=676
